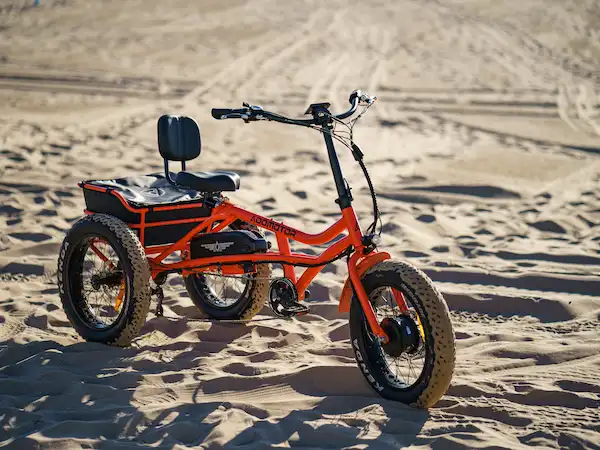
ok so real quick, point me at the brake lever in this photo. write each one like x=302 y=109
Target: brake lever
x=254 y=113
x=234 y=116
x=366 y=98
x=362 y=97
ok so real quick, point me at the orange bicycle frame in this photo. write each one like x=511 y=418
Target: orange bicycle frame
x=225 y=213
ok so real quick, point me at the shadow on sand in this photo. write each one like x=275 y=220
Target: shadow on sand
x=88 y=395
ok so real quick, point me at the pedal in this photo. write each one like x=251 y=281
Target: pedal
x=289 y=308
x=283 y=299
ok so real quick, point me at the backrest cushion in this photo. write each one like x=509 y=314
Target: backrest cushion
x=178 y=138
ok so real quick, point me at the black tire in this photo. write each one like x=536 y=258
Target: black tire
x=132 y=269
x=249 y=303
x=437 y=348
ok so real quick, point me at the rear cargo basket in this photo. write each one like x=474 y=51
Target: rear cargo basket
x=107 y=202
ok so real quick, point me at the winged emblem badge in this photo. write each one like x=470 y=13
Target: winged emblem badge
x=217 y=247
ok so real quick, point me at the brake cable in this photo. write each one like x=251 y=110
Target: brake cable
x=358 y=156
x=356 y=153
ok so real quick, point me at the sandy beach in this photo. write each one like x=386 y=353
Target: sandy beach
x=483 y=146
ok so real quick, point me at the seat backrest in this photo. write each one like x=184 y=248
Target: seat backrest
x=178 y=138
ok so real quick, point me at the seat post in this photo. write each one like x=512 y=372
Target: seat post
x=168 y=174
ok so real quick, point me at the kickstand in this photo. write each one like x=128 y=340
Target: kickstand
x=160 y=296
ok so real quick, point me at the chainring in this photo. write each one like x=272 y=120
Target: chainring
x=281 y=289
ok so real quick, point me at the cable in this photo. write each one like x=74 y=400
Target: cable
x=343 y=137
x=358 y=156
x=376 y=215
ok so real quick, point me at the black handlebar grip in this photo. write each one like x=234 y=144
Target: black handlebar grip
x=355 y=94
x=218 y=113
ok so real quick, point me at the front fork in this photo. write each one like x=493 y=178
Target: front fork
x=360 y=293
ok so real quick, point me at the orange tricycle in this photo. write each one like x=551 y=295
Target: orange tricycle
x=139 y=230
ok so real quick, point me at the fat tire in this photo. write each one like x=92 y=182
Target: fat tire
x=247 y=306
x=435 y=317
x=132 y=257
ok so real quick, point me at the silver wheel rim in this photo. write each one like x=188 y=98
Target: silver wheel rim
x=100 y=300
x=226 y=290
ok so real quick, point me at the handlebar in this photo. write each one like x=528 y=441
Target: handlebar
x=252 y=113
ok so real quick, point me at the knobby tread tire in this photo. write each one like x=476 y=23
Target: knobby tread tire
x=260 y=290
x=435 y=317
x=133 y=258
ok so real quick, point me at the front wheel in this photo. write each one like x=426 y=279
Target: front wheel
x=416 y=366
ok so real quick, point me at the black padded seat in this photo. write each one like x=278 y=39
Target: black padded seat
x=148 y=190
x=217 y=181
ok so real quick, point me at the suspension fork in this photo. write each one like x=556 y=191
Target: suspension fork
x=360 y=293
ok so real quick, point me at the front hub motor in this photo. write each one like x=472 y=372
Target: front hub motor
x=403 y=333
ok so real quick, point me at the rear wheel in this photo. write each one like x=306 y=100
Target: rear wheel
x=231 y=297
x=416 y=366
x=103 y=280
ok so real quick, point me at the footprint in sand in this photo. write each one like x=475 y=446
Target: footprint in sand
x=35 y=237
